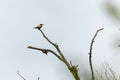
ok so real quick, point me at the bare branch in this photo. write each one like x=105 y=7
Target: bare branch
x=100 y=75
x=75 y=72
x=47 y=38
x=45 y=51
x=54 y=44
x=90 y=53
x=108 y=73
x=57 y=48
x=20 y=75
x=93 y=40
x=73 y=69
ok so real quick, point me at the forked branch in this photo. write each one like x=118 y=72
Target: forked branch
x=73 y=69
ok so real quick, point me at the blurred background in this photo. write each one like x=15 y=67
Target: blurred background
x=70 y=23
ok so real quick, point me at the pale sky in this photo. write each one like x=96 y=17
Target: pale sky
x=70 y=23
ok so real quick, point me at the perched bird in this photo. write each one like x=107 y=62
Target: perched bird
x=39 y=26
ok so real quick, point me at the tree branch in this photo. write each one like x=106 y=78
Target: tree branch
x=90 y=53
x=20 y=75
x=45 y=51
x=73 y=69
x=54 y=44
x=70 y=67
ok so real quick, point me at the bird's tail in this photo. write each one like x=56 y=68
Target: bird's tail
x=36 y=28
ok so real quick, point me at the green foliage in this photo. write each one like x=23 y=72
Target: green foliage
x=113 y=10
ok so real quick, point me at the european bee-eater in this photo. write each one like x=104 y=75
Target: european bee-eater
x=39 y=26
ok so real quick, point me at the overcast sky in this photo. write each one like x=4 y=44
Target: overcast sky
x=70 y=23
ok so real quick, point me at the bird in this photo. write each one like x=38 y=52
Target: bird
x=39 y=26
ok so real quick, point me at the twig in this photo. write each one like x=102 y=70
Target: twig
x=90 y=53
x=100 y=75
x=20 y=75
x=45 y=51
x=108 y=73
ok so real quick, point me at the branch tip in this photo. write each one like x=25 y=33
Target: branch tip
x=29 y=47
